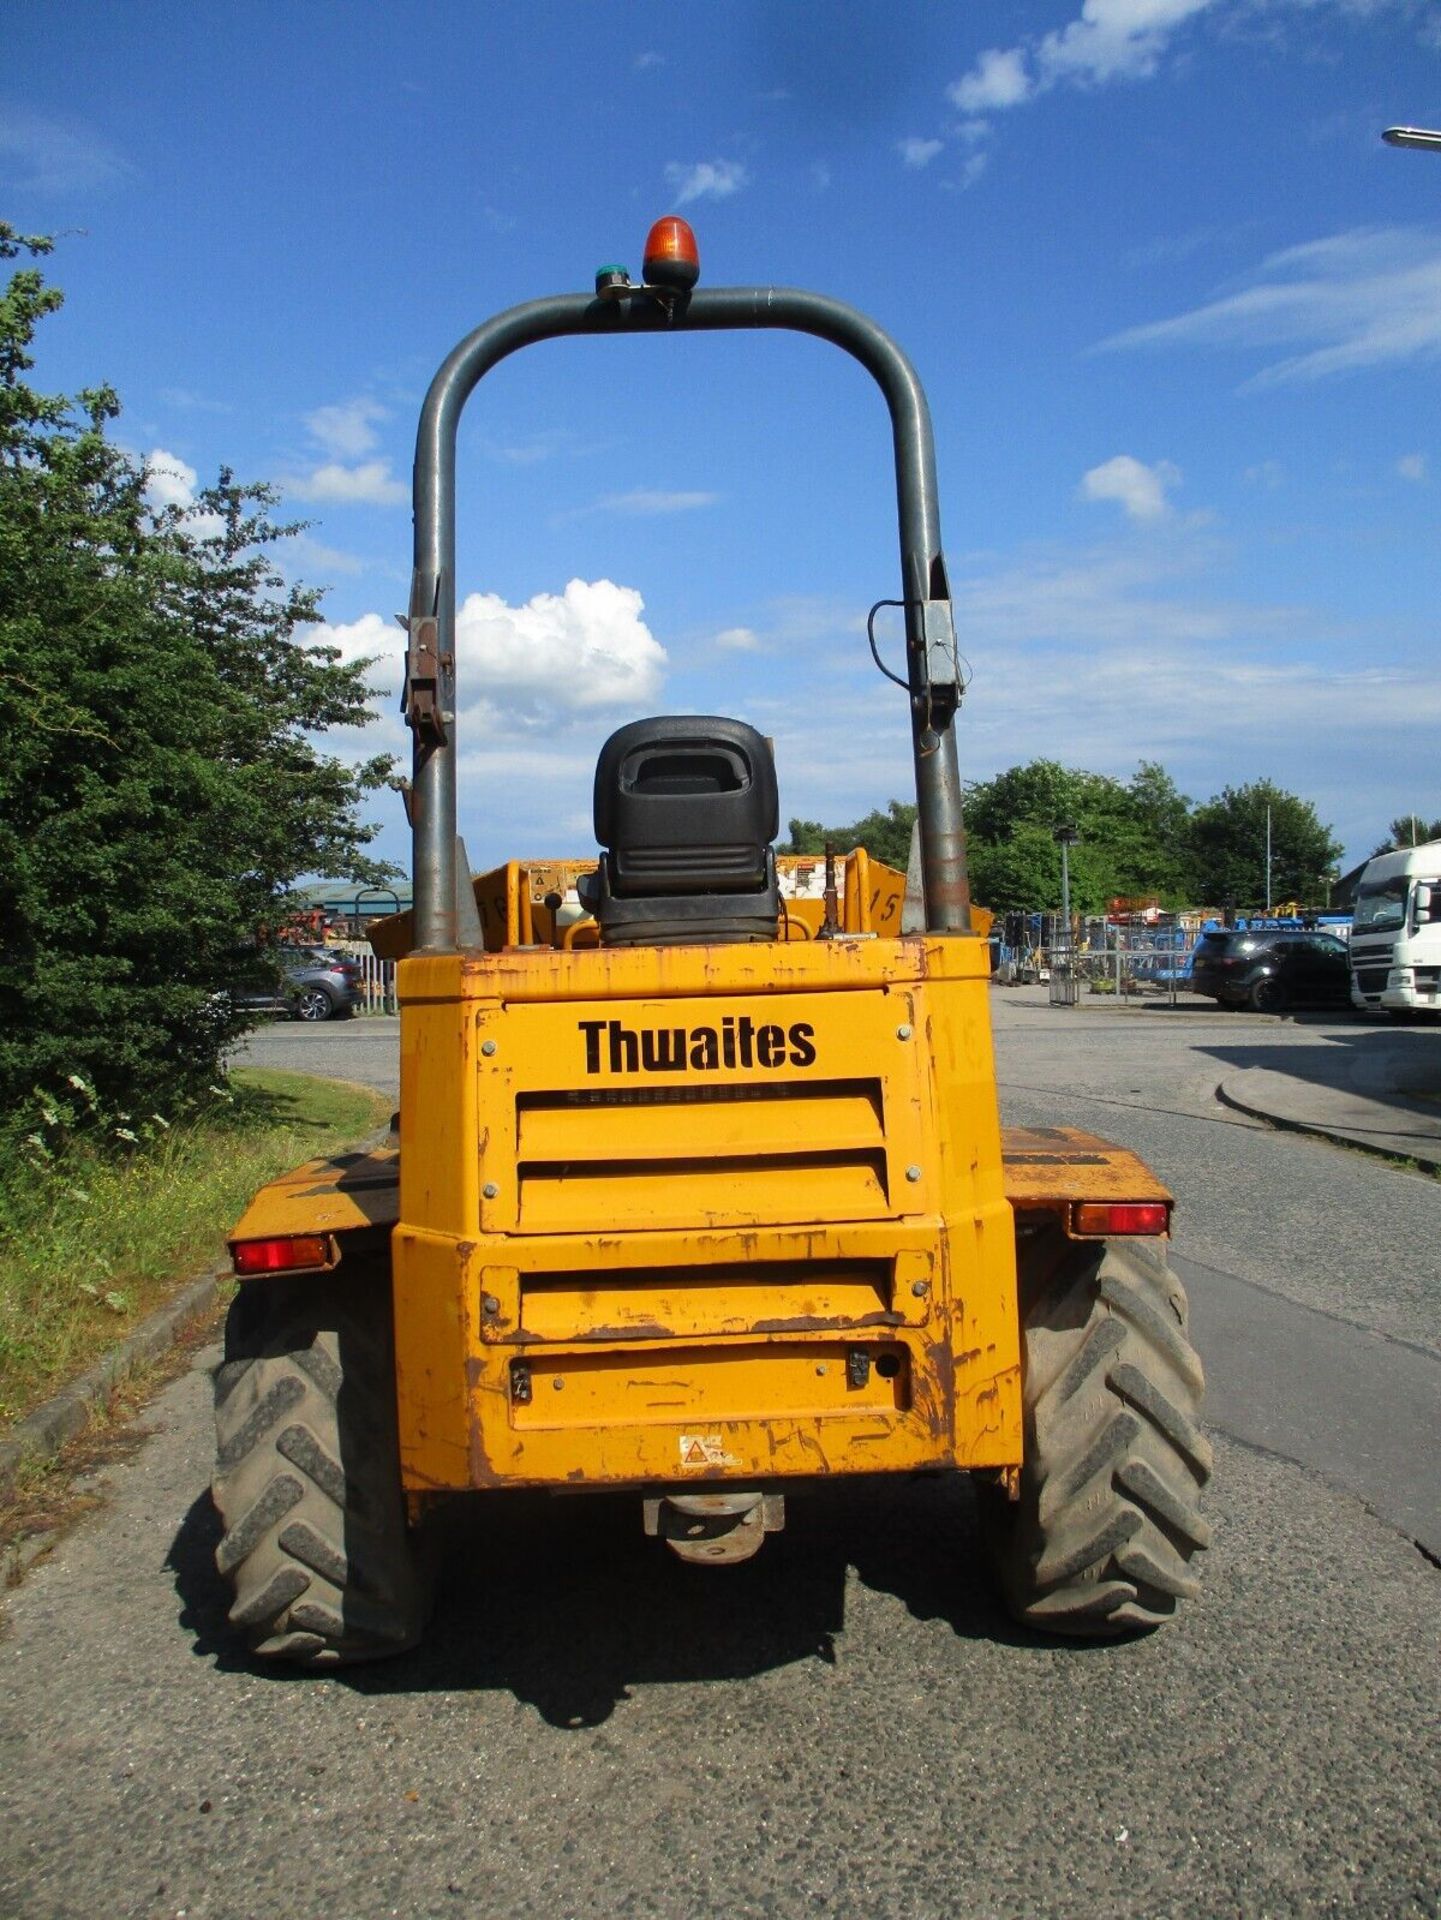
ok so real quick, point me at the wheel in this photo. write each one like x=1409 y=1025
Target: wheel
x=313 y=1003
x=307 y=1479
x=1101 y=1541
x=1268 y=995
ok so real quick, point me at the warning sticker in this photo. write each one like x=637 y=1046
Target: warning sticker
x=705 y=1450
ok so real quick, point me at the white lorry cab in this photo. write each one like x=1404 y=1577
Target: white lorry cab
x=1396 y=931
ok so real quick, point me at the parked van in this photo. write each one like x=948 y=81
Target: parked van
x=1396 y=931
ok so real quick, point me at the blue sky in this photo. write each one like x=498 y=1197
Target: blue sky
x=1177 y=309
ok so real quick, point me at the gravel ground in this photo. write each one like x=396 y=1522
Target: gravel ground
x=1315 y=1223
x=844 y=1725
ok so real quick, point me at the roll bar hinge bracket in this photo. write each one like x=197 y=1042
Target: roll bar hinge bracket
x=428 y=672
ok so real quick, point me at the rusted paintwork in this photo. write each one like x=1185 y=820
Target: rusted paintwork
x=1040 y=1164
x=349 y=1195
x=692 y=1234
x=736 y=1214
x=1053 y=1169
x=1045 y=1168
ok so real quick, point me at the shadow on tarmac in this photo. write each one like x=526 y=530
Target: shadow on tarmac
x=564 y=1603
x=1374 y=1061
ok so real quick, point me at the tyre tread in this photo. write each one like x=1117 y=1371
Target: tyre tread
x=1107 y=1525
x=307 y=1480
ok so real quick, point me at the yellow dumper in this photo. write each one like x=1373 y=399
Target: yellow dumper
x=698 y=1191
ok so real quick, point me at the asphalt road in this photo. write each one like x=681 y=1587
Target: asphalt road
x=846 y=1725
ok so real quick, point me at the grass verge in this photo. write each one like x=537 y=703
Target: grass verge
x=94 y=1243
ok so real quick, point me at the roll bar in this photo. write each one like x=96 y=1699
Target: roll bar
x=932 y=670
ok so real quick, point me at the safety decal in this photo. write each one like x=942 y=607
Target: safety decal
x=705 y=1450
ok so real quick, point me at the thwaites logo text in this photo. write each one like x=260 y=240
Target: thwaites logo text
x=611 y=1047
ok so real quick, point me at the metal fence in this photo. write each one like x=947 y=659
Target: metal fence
x=1130 y=970
x=1138 y=970
x=1125 y=971
x=377 y=977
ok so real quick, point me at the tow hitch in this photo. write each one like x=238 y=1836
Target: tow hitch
x=715 y=1528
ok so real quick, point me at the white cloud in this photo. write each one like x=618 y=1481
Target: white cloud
x=371 y=636
x=919 y=153
x=998 y=79
x=706 y=180
x=1140 y=489
x=1106 y=655
x=1412 y=466
x=191 y=402
x=652 y=500
x=172 y=482
x=820 y=176
x=586 y=647
x=1114 y=40
x=1218 y=689
x=169 y=480
x=40 y=154
x=346 y=431
x=538 y=688
x=370 y=484
x=1369 y=297
x=972 y=168
x=313 y=556
x=1168 y=247
x=548 y=443
x=1108 y=40
x=1122 y=41
x=569 y=652
x=643 y=62
x=1269 y=474
x=738 y=640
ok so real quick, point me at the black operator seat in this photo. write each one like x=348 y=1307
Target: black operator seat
x=685 y=812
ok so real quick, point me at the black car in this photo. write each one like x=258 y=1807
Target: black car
x=304 y=982
x=1272 y=969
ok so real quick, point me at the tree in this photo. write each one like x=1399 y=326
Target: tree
x=1163 y=817
x=1408 y=830
x=885 y=836
x=1228 y=847
x=1132 y=836
x=160 y=789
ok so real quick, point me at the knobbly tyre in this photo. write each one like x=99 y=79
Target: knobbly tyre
x=699 y=1190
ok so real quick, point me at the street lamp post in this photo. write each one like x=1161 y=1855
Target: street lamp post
x=1065 y=837
x=1424 y=137
x=1268 y=857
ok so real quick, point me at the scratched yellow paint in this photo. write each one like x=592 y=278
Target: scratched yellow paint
x=649 y=1193
x=653 y=1205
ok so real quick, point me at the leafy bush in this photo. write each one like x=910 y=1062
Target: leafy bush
x=160 y=789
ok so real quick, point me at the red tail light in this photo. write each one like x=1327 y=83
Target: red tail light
x=286 y=1253
x=1104 y=1218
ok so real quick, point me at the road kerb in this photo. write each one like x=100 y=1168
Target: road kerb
x=1396 y=1150
x=41 y=1434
